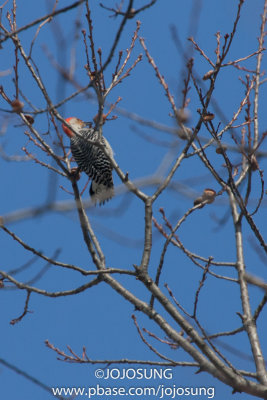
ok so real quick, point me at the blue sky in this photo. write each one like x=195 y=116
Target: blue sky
x=98 y=318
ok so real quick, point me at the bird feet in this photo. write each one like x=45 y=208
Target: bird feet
x=75 y=172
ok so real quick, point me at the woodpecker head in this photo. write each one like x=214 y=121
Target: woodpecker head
x=75 y=123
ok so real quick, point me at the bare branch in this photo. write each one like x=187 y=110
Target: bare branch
x=37 y=21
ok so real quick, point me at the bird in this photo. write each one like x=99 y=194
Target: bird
x=91 y=159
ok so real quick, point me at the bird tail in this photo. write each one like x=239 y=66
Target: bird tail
x=100 y=193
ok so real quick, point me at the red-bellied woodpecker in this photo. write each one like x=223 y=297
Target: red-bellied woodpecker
x=91 y=158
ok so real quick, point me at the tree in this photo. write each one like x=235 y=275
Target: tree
x=189 y=184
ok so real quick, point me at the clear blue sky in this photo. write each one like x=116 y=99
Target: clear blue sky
x=99 y=319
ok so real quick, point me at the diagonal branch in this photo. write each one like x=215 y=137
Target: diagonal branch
x=41 y=19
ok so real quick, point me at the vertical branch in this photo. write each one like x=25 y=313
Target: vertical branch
x=201 y=284
x=258 y=71
x=16 y=73
x=88 y=233
x=13 y=26
x=148 y=235
x=96 y=75
x=247 y=317
x=118 y=34
x=92 y=44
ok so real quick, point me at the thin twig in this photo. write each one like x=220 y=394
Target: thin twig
x=25 y=311
x=37 y=21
